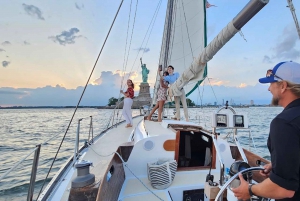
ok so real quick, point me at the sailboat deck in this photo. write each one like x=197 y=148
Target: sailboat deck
x=159 y=128
x=101 y=155
x=155 y=128
x=134 y=190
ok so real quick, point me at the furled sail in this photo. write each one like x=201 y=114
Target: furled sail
x=184 y=39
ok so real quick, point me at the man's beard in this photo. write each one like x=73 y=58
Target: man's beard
x=275 y=101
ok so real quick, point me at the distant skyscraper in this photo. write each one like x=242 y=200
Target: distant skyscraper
x=252 y=102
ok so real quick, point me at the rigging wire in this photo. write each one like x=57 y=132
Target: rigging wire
x=81 y=95
x=162 y=48
x=125 y=63
x=187 y=29
x=141 y=46
x=171 y=43
x=200 y=94
x=161 y=58
x=124 y=67
x=133 y=24
x=212 y=89
x=154 y=17
x=148 y=32
x=182 y=41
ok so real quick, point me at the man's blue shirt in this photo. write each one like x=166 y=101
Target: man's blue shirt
x=171 y=78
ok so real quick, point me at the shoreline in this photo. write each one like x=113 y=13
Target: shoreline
x=113 y=107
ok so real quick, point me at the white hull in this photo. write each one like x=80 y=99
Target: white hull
x=150 y=141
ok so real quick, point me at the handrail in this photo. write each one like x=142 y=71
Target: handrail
x=17 y=164
x=55 y=180
x=33 y=173
x=239 y=146
x=220 y=158
x=36 y=152
x=76 y=147
x=91 y=129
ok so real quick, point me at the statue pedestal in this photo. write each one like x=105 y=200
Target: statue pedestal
x=144 y=97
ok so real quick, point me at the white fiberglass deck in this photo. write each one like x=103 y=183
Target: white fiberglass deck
x=105 y=145
x=137 y=187
x=161 y=128
x=134 y=190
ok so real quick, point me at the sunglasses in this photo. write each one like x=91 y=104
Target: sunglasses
x=270 y=73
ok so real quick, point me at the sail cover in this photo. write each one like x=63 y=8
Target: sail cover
x=184 y=39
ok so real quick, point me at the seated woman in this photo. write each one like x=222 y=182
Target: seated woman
x=161 y=96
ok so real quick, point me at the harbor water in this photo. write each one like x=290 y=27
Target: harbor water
x=22 y=129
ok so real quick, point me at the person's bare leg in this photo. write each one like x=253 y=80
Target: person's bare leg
x=160 y=109
x=152 y=111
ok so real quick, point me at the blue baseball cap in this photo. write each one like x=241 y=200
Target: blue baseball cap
x=287 y=70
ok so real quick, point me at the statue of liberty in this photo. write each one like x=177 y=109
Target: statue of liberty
x=145 y=72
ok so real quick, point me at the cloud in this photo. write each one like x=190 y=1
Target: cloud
x=267 y=59
x=114 y=79
x=95 y=95
x=26 y=43
x=79 y=7
x=285 y=49
x=108 y=85
x=33 y=11
x=11 y=92
x=5 y=43
x=242 y=85
x=217 y=82
x=66 y=37
x=143 y=49
x=2 y=50
x=5 y=63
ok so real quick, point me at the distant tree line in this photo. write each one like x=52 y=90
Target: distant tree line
x=189 y=102
x=113 y=101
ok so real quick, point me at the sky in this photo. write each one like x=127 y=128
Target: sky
x=49 y=48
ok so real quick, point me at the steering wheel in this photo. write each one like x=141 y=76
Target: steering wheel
x=233 y=178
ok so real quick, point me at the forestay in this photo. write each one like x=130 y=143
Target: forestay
x=184 y=39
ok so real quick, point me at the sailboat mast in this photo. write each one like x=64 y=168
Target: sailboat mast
x=292 y=8
x=167 y=41
x=165 y=46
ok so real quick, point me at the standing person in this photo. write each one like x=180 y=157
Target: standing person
x=171 y=78
x=128 y=96
x=283 y=173
x=161 y=96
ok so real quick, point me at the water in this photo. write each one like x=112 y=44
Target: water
x=22 y=129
